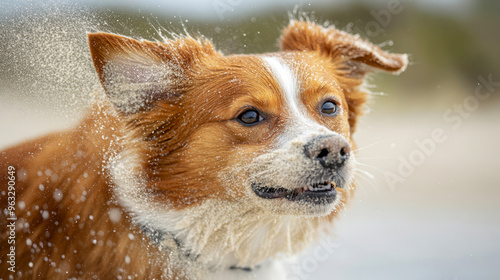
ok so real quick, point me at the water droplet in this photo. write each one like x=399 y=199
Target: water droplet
x=115 y=215
x=58 y=195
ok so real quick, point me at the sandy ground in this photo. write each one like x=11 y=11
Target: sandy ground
x=442 y=222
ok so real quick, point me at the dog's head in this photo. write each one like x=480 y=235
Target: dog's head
x=272 y=131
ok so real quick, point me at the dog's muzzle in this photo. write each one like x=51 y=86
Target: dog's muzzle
x=327 y=155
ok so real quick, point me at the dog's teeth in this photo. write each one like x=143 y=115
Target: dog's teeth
x=317 y=187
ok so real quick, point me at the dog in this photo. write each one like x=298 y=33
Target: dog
x=193 y=164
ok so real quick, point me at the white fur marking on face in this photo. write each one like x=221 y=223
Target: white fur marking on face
x=290 y=87
x=288 y=83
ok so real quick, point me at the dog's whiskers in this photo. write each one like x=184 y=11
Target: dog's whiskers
x=367 y=176
x=371 y=166
x=369 y=145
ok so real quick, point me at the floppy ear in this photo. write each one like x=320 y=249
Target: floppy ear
x=134 y=73
x=352 y=58
x=354 y=55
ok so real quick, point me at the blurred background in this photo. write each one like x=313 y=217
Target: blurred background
x=427 y=204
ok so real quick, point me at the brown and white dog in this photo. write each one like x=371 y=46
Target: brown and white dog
x=193 y=165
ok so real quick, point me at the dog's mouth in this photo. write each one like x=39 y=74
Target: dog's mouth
x=318 y=193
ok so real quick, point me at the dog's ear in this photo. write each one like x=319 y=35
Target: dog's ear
x=352 y=58
x=135 y=74
x=354 y=55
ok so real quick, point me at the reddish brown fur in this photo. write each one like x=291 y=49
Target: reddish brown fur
x=76 y=159
x=181 y=161
x=348 y=59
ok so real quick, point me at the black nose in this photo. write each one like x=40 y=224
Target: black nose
x=330 y=151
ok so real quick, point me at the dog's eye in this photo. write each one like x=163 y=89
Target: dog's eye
x=329 y=108
x=250 y=117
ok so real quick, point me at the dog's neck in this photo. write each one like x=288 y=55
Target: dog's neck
x=167 y=242
x=228 y=234
x=172 y=246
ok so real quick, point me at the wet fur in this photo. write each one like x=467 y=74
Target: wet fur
x=162 y=148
